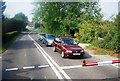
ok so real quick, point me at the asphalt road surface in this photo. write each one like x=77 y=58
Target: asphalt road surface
x=28 y=58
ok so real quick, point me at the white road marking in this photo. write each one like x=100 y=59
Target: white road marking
x=51 y=61
x=29 y=67
x=70 y=67
x=58 y=67
x=11 y=69
x=43 y=66
x=61 y=70
x=116 y=65
x=52 y=66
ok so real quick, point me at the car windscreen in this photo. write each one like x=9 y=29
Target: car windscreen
x=68 y=42
x=52 y=37
x=42 y=35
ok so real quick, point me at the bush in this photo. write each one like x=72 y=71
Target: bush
x=8 y=36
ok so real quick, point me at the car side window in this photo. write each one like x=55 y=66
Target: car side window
x=63 y=43
x=57 y=40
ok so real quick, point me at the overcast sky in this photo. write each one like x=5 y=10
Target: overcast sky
x=109 y=7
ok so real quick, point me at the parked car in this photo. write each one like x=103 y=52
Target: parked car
x=67 y=47
x=42 y=35
x=48 y=39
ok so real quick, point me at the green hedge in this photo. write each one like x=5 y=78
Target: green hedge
x=8 y=39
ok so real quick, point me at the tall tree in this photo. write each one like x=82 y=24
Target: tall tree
x=2 y=8
x=65 y=16
x=22 y=19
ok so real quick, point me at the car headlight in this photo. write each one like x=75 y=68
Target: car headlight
x=69 y=51
x=82 y=50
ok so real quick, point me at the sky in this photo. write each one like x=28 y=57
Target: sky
x=109 y=8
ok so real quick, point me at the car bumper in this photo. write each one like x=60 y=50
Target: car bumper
x=74 y=54
x=50 y=44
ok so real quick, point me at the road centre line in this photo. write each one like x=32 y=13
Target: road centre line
x=29 y=67
x=52 y=66
x=50 y=59
x=44 y=66
x=11 y=69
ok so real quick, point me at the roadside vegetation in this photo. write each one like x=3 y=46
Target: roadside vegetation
x=82 y=21
x=11 y=27
x=102 y=51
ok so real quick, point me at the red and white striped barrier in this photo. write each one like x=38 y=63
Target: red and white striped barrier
x=99 y=63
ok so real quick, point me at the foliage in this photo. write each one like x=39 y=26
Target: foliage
x=11 y=27
x=22 y=19
x=17 y=23
x=3 y=7
x=82 y=20
x=63 y=17
x=110 y=34
x=8 y=39
x=37 y=24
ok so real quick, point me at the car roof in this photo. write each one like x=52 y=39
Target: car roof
x=65 y=38
x=42 y=33
x=50 y=34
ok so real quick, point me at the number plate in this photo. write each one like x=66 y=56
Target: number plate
x=76 y=53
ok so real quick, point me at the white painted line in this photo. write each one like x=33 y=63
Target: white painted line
x=61 y=70
x=11 y=69
x=29 y=67
x=116 y=65
x=43 y=66
x=52 y=66
x=70 y=67
x=50 y=59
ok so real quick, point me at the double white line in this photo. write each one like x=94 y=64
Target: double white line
x=55 y=67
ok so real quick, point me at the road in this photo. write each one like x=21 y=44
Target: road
x=28 y=58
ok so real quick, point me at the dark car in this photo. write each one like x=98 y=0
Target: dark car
x=42 y=35
x=67 y=47
x=48 y=39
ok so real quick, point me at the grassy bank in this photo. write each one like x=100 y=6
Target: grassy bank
x=101 y=51
x=7 y=40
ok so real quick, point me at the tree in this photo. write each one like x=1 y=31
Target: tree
x=2 y=8
x=65 y=16
x=22 y=20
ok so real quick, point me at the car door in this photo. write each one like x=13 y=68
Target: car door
x=60 y=47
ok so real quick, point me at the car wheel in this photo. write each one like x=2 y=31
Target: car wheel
x=63 y=54
x=54 y=49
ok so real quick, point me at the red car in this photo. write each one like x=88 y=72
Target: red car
x=67 y=47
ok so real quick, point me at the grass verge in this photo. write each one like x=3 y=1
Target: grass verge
x=9 y=42
x=100 y=51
